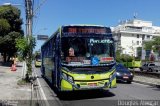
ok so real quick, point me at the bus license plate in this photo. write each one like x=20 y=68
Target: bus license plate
x=92 y=84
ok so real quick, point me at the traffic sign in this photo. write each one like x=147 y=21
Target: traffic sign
x=42 y=37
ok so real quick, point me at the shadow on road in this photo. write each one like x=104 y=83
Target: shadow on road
x=156 y=87
x=81 y=95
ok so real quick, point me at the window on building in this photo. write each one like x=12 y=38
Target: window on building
x=143 y=36
x=148 y=36
x=137 y=35
x=137 y=42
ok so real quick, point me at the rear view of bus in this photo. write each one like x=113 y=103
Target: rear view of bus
x=37 y=61
x=84 y=58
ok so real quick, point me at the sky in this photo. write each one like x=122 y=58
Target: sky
x=54 y=13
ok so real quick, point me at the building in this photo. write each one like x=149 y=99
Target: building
x=131 y=34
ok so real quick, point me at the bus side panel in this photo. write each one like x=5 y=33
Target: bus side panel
x=56 y=54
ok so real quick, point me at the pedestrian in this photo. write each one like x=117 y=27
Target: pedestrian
x=13 y=67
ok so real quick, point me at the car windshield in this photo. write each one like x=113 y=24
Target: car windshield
x=87 y=51
x=121 y=68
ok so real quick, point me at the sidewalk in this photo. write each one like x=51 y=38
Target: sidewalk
x=147 y=80
x=9 y=90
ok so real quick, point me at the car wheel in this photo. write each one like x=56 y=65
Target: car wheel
x=150 y=70
x=129 y=82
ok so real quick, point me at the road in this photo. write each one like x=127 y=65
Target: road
x=134 y=93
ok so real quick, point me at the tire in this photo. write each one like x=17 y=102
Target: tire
x=141 y=69
x=150 y=70
x=129 y=82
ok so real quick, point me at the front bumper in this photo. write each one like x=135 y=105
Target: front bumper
x=89 y=85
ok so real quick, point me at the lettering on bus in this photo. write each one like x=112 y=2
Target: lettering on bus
x=101 y=41
x=87 y=30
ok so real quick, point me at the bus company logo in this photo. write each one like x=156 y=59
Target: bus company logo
x=101 y=41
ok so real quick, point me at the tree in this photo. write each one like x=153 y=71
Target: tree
x=10 y=29
x=25 y=49
x=156 y=44
x=4 y=27
x=148 y=45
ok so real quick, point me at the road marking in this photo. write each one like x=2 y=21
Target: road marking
x=42 y=92
x=53 y=93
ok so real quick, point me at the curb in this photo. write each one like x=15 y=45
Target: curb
x=145 y=83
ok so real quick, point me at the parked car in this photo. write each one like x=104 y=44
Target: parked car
x=150 y=67
x=123 y=74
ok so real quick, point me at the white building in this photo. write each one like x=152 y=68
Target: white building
x=130 y=35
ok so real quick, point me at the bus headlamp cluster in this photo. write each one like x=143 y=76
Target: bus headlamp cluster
x=67 y=77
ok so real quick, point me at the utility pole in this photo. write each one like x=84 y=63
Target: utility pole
x=29 y=17
x=29 y=23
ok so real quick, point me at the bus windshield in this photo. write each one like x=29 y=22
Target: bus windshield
x=38 y=58
x=87 y=51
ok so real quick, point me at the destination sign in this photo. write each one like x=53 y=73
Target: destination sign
x=85 y=30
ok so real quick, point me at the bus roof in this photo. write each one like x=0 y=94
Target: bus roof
x=72 y=25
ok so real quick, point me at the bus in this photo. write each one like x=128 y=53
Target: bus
x=37 y=61
x=80 y=57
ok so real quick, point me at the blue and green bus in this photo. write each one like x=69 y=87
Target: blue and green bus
x=80 y=57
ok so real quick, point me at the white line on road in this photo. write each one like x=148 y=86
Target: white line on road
x=42 y=92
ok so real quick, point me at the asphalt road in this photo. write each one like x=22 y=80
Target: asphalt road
x=125 y=94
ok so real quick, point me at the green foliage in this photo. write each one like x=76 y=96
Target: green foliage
x=156 y=41
x=118 y=56
x=126 y=58
x=4 y=27
x=10 y=29
x=123 y=57
x=156 y=44
x=152 y=45
x=12 y=15
x=22 y=82
x=25 y=47
x=148 y=45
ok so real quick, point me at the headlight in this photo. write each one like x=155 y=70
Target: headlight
x=131 y=73
x=67 y=77
x=64 y=76
x=70 y=78
x=117 y=73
